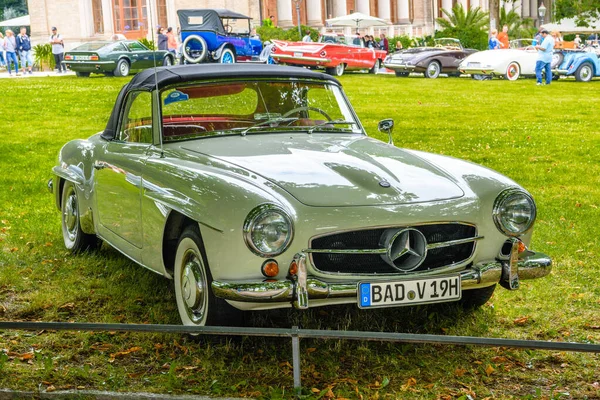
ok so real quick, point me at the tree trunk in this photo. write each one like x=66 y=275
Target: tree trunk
x=494 y=7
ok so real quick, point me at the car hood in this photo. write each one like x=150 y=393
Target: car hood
x=493 y=56
x=333 y=170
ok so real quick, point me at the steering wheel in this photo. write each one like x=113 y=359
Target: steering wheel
x=298 y=109
x=228 y=28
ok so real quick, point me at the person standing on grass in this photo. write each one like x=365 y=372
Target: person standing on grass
x=544 y=57
x=10 y=46
x=2 y=52
x=503 y=37
x=162 y=39
x=58 y=49
x=24 y=48
x=383 y=43
x=171 y=42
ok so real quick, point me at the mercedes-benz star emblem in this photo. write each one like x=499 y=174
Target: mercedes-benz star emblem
x=406 y=248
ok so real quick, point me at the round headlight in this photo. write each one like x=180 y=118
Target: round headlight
x=514 y=212
x=268 y=231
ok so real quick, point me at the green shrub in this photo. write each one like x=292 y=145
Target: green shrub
x=148 y=43
x=269 y=32
x=43 y=57
x=473 y=38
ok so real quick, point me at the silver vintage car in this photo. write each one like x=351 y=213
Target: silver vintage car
x=256 y=187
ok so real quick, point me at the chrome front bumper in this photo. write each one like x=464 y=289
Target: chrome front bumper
x=400 y=67
x=299 y=289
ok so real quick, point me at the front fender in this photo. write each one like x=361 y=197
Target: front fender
x=217 y=52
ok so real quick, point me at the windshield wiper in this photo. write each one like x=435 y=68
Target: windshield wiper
x=273 y=122
x=333 y=122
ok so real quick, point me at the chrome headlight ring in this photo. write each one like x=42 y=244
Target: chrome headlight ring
x=268 y=230
x=514 y=212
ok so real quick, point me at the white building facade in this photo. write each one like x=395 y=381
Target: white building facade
x=84 y=20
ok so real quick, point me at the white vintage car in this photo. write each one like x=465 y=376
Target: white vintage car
x=512 y=63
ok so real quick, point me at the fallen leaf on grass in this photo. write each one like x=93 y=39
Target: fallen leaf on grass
x=521 y=320
x=101 y=346
x=119 y=354
x=409 y=383
x=315 y=390
x=67 y=306
x=50 y=388
x=489 y=370
x=311 y=350
x=26 y=356
x=135 y=375
x=458 y=372
x=592 y=326
x=46 y=383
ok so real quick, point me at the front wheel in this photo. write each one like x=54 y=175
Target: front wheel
x=227 y=57
x=75 y=239
x=475 y=298
x=585 y=72
x=196 y=302
x=513 y=71
x=167 y=61
x=433 y=70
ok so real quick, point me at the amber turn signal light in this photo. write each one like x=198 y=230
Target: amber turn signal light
x=522 y=247
x=293 y=268
x=270 y=268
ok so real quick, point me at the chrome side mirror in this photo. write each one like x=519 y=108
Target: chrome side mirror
x=387 y=126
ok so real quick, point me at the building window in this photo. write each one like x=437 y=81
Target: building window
x=97 y=15
x=161 y=7
x=131 y=18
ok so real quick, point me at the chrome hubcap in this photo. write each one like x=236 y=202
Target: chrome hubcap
x=124 y=69
x=432 y=70
x=70 y=216
x=193 y=287
x=586 y=72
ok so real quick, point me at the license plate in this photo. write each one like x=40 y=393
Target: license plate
x=297 y=54
x=81 y=58
x=409 y=292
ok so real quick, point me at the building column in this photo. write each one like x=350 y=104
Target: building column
x=475 y=3
x=313 y=13
x=362 y=6
x=172 y=19
x=339 y=8
x=107 y=17
x=284 y=13
x=463 y=3
x=403 y=7
x=447 y=5
x=384 y=10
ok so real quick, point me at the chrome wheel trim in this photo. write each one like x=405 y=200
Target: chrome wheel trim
x=71 y=214
x=513 y=71
x=124 y=68
x=168 y=61
x=586 y=73
x=433 y=70
x=339 y=69
x=191 y=284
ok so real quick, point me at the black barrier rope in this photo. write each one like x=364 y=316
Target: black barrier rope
x=295 y=334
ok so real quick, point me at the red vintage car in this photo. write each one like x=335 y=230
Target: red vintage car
x=336 y=53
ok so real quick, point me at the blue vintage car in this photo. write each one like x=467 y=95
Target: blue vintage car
x=582 y=64
x=218 y=35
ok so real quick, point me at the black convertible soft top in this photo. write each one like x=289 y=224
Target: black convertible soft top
x=205 y=19
x=149 y=79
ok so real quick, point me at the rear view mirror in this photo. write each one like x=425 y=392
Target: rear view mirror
x=387 y=126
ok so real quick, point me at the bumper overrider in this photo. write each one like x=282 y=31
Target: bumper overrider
x=299 y=288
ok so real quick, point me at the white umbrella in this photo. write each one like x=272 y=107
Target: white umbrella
x=357 y=20
x=570 y=26
x=19 y=21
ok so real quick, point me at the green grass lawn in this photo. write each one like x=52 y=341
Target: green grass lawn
x=546 y=138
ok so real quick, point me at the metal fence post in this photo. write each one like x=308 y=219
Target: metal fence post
x=296 y=360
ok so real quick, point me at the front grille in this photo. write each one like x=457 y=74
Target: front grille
x=370 y=239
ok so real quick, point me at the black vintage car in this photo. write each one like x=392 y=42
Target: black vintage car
x=444 y=57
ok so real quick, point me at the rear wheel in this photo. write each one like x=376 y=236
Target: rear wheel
x=194 y=49
x=433 y=70
x=513 y=71
x=585 y=72
x=376 y=67
x=122 y=68
x=475 y=298
x=82 y=74
x=196 y=302
x=338 y=70
x=75 y=239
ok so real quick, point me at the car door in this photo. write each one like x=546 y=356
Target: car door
x=118 y=176
x=141 y=57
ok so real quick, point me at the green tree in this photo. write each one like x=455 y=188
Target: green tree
x=12 y=8
x=458 y=18
x=517 y=27
x=583 y=11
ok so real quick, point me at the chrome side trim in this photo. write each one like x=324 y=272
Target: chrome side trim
x=453 y=242
x=286 y=57
x=530 y=265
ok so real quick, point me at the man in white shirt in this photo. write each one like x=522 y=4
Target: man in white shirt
x=307 y=38
x=58 y=49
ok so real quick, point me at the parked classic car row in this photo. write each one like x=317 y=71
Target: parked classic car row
x=256 y=187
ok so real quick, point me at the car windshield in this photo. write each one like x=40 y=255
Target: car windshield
x=263 y=106
x=350 y=40
x=236 y=26
x=520 y=43
x=448 y=43
x=93 y=46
